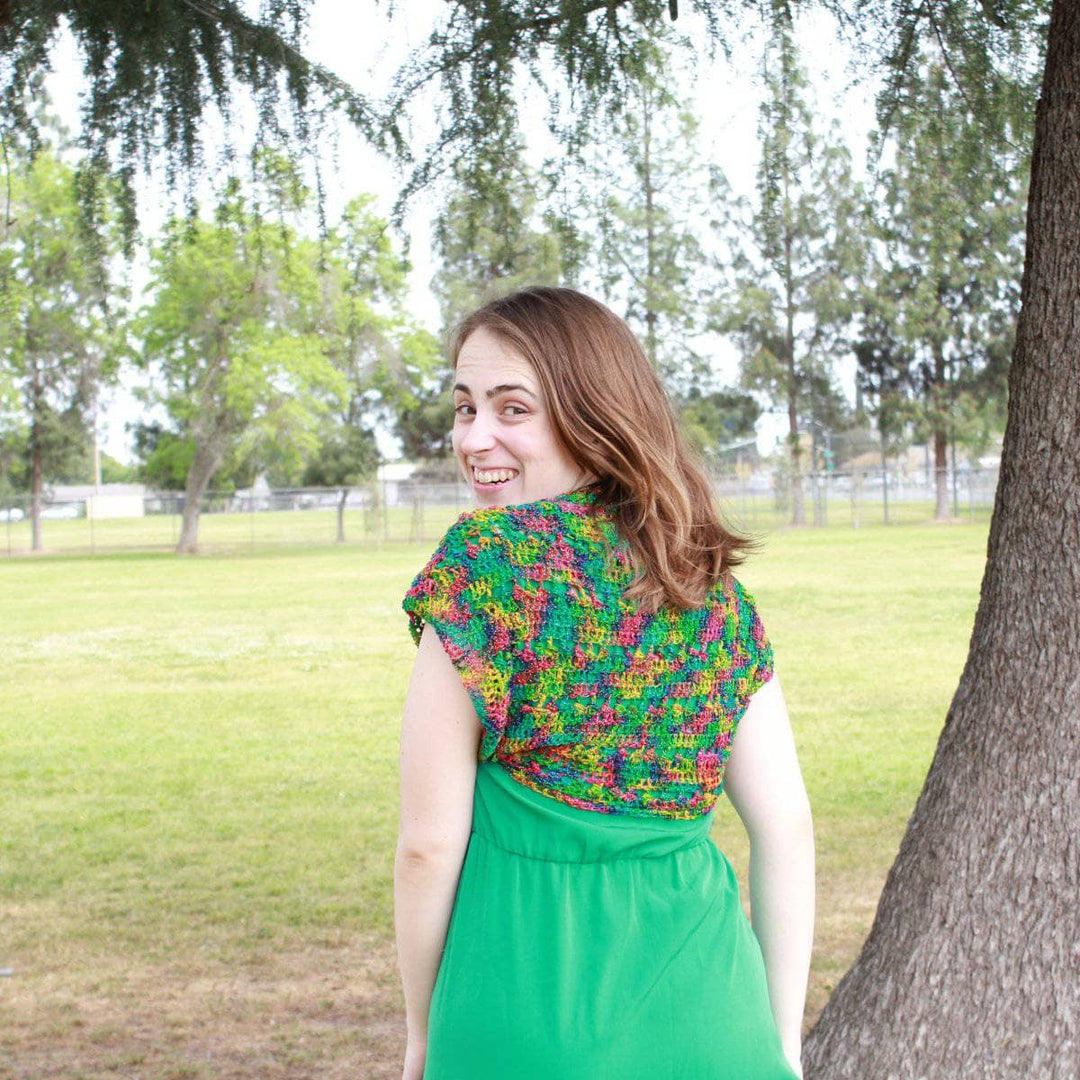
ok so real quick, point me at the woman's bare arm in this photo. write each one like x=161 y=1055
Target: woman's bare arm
x=765 y=785
x=440 y=736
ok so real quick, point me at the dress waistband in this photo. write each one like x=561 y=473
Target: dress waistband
x=518 y=819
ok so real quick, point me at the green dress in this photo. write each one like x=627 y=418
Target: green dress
x=597 y=930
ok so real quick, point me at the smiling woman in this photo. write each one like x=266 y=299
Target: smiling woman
x=503 y=438
x=589 y=678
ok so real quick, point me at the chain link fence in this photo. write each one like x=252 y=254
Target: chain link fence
x=397 y=511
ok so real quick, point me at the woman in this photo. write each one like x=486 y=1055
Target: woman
x=589 y=675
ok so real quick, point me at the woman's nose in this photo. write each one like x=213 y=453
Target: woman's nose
x=479 y=435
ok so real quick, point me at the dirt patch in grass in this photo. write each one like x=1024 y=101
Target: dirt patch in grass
x=328 y=1011
x=331 y=1011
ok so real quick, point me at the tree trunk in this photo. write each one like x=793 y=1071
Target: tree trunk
x=941 y=476
x=203 y=466
x=798 y=508
x=970 y=969
x=942 y=404
x=650 y=232
x=36 y=481
x=343 y=498
x=37 y=453
x=885 y=476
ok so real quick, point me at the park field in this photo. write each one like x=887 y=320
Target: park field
x=198 y=786
x=421 y=519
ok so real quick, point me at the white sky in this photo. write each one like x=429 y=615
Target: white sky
x=365 y=48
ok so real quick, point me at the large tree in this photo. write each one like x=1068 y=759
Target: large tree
x=231 y=333
x=380 y=351
x=650 y=185
x=970 y=968
x=947 y=273
x=59 y=328
x=798 y=257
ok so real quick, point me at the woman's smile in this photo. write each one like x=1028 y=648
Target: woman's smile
x=490 y=479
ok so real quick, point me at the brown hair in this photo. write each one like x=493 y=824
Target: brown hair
x=611 y=414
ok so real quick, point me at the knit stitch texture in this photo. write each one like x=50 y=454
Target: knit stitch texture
x=582 y=697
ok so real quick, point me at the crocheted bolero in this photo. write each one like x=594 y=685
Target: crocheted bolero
x=580 y=696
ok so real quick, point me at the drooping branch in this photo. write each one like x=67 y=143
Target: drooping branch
x=153 y=73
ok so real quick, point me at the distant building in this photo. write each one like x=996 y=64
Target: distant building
x=106 y=501
x=392 y=475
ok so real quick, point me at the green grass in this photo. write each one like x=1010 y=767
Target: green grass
x=199 y=755
x=227 y=533
x=232 y=533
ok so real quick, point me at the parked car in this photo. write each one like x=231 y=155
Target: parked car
x=61 y=511
x=12 y=514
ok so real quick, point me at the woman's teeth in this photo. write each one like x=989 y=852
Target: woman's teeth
x=495 y=476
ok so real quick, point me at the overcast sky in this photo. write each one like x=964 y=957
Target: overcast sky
x=365 y=49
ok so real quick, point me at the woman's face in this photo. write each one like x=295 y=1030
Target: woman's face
x=503 y=438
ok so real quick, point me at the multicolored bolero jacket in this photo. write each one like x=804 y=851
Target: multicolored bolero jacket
x=580 y=696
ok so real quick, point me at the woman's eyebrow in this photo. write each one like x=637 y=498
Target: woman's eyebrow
x=501 y=388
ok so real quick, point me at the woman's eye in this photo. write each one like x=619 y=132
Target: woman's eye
x=515 y=410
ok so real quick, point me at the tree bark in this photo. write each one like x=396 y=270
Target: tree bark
x=942 y=402
x=970 y=969
x=343 y=498
x=941 y=476
x=884 y=477
x=650 y=230
x=36 y=453
x=203 y=466
x=798 y=507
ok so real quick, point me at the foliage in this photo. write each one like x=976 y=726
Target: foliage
x=384 y=357
x=61 y=338
x=490 y=241
x=650 y=189
x=581 y=54
x=883 y=362
x=232 y=332
x=346 y=456
x=154 y=71
x=164 y=457
x=798 y=255
x=488 y=238
x=945 y=287
x=116 y=472
x=716 y=420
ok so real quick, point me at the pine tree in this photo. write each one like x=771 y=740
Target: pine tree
x=796 y=268
x=947 y=275
x=651 y=190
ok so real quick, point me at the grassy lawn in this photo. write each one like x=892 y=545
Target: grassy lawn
x=254 y=532
x=198 y=785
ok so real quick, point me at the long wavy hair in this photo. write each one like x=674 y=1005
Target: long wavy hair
x=614 y=419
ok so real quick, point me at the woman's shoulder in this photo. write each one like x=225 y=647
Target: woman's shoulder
x=520 y=531
x=733 y=599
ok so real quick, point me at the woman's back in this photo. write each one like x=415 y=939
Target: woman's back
x=597 y=931
x=581 y=696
